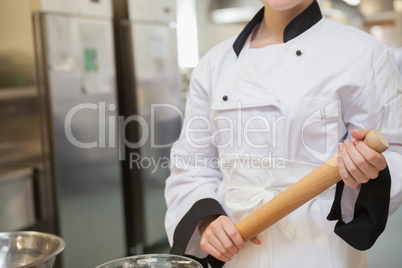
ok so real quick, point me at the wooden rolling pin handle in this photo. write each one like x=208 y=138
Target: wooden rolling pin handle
x=301 y=192
x=376 y=141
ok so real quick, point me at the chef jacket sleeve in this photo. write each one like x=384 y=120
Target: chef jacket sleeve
x=362 y=213
x=191 y=188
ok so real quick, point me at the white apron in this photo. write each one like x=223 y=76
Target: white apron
x=302 y=239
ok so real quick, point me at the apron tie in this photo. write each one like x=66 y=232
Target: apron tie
x=242 y=199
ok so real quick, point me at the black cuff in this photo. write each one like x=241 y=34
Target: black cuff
x=370 y=214
x=185 y=229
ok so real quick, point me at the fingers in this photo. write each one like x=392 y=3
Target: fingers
x=345 y=175
x=221 y=239
x=359 y=134
x=375 y=159
x=357 y=163
x=255 y=240
x=214 y=247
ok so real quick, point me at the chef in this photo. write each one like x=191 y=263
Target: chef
x=266 y=108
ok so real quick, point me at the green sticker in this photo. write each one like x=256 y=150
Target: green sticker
x=91 y=64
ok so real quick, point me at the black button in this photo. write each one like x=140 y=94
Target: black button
x=298 y=53
x=225 y=98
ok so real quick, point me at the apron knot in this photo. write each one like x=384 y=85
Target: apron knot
x=241 y=200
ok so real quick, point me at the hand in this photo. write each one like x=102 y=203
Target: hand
x=221 y=239
x=358 y=163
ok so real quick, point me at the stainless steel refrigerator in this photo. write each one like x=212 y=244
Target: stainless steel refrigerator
x=150 y=88
x=79 y=117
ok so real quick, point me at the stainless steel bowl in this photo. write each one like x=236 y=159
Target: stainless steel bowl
x=152 y=261
x=29 y=249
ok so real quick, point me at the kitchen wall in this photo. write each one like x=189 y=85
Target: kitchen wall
x=17 y=86
x=211 y=33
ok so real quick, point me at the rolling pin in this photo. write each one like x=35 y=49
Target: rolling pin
x=301 y=192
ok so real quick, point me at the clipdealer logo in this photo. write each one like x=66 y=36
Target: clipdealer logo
x=112 y=134
x=323 y=122
x=114 y=131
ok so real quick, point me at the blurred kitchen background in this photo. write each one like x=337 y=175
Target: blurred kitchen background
x=80 y=84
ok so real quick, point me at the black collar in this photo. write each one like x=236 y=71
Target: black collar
x=297 y=26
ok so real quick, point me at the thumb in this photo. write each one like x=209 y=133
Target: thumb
x=359 y=134
x=255 y=240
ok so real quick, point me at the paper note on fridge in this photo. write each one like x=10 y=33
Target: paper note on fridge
x=95 y=65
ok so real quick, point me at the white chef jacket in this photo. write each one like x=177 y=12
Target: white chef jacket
x=259 y=119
